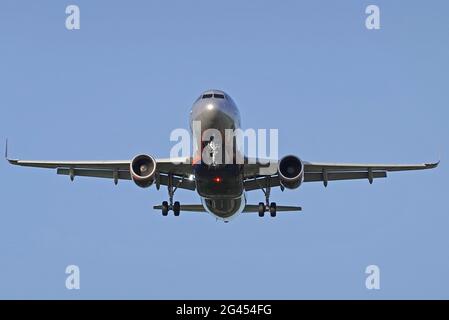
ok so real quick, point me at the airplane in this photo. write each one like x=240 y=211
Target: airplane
x=221 y=187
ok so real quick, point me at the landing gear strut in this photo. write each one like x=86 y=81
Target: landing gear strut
x=170 y=205
x=267 y=206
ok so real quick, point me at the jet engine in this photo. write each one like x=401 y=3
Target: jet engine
x=291 y=172
x=142 y=170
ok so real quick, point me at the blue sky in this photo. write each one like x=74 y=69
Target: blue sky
x=118 y=86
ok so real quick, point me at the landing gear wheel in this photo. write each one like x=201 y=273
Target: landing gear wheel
x=261 y=209
x=265 y=206
x=164 y=208
x=273 y=209
x=176 y=208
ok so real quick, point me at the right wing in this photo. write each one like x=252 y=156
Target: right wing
x=180 y=168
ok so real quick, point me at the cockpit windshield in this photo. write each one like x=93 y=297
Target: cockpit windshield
x=212 y=95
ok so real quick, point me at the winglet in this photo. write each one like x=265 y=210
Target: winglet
x=6 y=154
x=432 y=165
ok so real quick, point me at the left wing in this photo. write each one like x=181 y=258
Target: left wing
x=317 y=171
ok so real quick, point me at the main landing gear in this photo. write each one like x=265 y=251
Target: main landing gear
x=170 y=205
x=267 y=206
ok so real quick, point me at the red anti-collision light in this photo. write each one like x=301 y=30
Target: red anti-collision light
x=217 y=179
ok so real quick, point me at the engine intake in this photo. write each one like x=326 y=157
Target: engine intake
x=143 y=169
x=291 y=172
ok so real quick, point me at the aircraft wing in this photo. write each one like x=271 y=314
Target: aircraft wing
x=180 y=168
x=316 y=171
x=324 y=172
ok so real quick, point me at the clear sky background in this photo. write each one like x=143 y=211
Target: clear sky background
x=118 y=86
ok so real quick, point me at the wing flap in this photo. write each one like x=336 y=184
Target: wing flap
x=256 y=184
x=122 y=175
x=259 y=183
x=332 y=176
x=182 y=183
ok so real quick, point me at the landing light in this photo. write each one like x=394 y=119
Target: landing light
x=210 y=106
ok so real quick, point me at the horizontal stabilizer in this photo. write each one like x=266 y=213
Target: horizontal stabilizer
x=187 y=208
x=255 y=208
x=248 y=208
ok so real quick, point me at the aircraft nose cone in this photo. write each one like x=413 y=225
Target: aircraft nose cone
x=208 y=110
x=217 y=113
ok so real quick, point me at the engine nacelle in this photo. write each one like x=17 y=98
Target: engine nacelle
x=291 y=172
x=143 y=170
